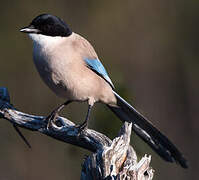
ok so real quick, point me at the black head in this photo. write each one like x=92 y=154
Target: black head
x=49 y=25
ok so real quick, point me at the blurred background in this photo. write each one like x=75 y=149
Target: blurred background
x=151 y=51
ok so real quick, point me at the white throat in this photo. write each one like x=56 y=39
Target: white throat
x=43 y=40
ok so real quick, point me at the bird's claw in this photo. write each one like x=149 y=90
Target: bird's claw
x=50 y=119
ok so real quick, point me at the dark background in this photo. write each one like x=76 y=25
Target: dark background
x=150 y=49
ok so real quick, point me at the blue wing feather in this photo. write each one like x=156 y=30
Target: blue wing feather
x=96 y=66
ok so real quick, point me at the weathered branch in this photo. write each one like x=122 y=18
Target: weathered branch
x=111 y=159
x=118 y=161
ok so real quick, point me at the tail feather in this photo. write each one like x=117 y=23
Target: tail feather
x=148 y=132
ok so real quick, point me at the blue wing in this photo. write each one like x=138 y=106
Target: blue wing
x=96 y=66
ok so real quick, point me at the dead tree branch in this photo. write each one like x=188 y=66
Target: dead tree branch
x=110 y=159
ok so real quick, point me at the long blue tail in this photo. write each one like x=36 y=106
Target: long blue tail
x=150 y=134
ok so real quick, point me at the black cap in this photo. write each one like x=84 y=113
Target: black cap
x=49 y=25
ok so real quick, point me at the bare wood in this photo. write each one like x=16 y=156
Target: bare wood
x=111 y=159
x=118 y=161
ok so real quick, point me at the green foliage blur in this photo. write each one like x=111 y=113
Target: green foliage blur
x=151 y=51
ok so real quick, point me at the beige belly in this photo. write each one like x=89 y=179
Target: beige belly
x=63 y=80
x=78 y=86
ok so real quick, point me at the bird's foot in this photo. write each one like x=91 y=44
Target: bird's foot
x=51 y=118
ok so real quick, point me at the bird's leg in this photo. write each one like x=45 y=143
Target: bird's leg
x=85 y=123
x=53 y=115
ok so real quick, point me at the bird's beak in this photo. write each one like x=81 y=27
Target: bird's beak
x=30 y=29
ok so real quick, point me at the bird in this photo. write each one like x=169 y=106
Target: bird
x=71 y=68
